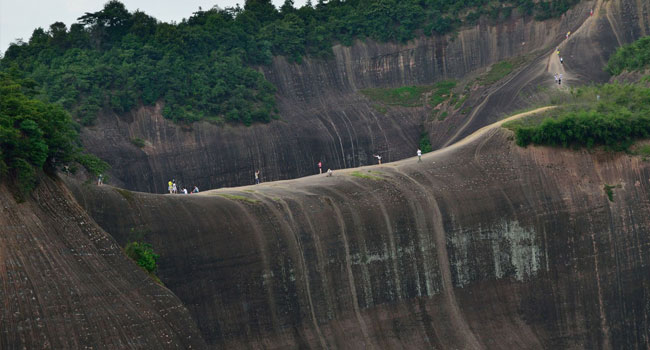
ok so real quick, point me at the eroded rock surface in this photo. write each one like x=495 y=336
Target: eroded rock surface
x=487 y=245
x=66 y=284
x=324 y=117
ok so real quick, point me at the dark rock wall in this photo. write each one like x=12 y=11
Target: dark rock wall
x=66 y=284
x=323 y=117
x=485 y=246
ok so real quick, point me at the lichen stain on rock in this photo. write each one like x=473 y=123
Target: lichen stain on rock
x=515 y=252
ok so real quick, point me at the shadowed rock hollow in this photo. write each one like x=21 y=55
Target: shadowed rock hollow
x=482 y=246
x=324 y=117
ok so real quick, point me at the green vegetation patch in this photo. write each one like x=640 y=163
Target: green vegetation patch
x=144 y=256
x=238 y=198
x=643 y=150
x=405 y=96
x=410 y=96
x=441 y=92
x=614 y=116
x=369 y=175
x=608 y=190
x=497 y=72
x=138 y=142
x=631 y=57
x=425 y=143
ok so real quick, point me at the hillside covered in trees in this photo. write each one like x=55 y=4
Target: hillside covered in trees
x=203 y=67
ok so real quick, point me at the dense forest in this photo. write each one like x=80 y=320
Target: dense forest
x=35 y=135
x=203 y=67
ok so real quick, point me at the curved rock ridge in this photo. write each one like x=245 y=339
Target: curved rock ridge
x=325 y=118
x=480 y=246
x=66 y=284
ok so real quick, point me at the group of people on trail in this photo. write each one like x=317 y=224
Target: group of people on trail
x=558 y=78
x=173 y=188
x=329 y=171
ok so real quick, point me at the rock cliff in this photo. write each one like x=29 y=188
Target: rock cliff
x=480 y=246
x=65 y=283
x=323 y=117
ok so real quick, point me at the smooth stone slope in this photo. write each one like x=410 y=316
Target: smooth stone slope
x=481 y=246
x=66 y=284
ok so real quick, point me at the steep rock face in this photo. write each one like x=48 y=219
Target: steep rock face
x=323 y=117
x=482 y=246
x=65 y=283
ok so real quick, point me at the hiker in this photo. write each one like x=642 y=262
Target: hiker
x=320 y=167
x=556 y=78
x=591 y=12
x=329 y=172
x=559 y=80
x=558 y=51
x=419 y=155
x=378 y=157
x=257 y=177
x=184 y=190
x=100 y=180
x=195 y=190
x=561 y=60
x=174 y=188
x=169 y=186
x=567 y=34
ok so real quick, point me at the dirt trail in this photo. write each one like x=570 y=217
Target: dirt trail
x=323 y=177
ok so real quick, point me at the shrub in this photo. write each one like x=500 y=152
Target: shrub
x=634 y=56
x=425 y=143
x=143 y=255
x=138 y=142
x=616 y=121
x=93 y=164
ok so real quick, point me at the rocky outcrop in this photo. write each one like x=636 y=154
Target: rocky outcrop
x=66 y=284
x=323 y=117
x=483 y=246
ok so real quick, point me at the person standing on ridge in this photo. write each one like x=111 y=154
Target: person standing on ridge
x=320 y=167
x=169 y=186
x=174 y=187
x=257 y=177
x=100 y=180
x=419 y=155
x=378 y=157
x=559 y=80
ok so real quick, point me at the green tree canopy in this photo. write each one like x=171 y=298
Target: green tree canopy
x=206 y=66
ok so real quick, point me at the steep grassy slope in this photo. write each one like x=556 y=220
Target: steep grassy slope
x=487 y=245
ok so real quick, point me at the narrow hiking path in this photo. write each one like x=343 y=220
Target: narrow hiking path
x=553 y=65
x=320 y=178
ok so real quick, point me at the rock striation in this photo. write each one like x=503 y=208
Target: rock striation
x=66 y=284
x=481 y=246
